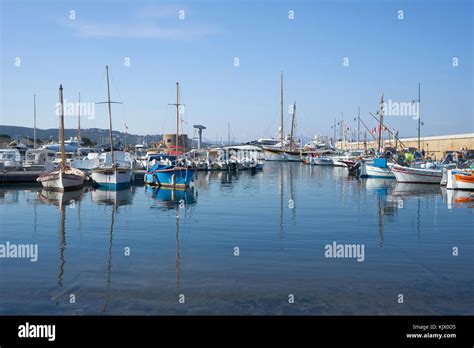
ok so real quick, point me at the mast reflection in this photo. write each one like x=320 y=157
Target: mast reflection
x=114 y=199
x=61 y=200
x=177 y=200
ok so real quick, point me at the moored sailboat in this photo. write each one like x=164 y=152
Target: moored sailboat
x=280 y=152
x=177 y=175
x=111 y=175
x=379 y=168
x=66 y=178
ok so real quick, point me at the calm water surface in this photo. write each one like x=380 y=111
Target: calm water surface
x=279 y=219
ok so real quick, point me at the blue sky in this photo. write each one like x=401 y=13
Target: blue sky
x=385 y=54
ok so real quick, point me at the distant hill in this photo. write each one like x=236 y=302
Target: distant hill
x=97 y=135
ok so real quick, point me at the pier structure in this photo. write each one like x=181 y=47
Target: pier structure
x=434 y=146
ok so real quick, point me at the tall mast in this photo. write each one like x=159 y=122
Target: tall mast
x=365 y=141
x=380 y=124
x=292 y=126
x=343 y=129
x=61 y=121
x=177 y=104
x=110 y=117
x=79 y=127
x=34 y=115
x=419 y=116
x=177 y=118
x=281 y=110
x=358 y=127
x=228 y=133
x=334 y=139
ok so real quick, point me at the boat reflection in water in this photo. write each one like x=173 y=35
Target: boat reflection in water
x=179 y=200
x=385 y=206
x=171 y=198
x=285 y=215
x=415 y=190
x=112 y=197
x=379 y=185
x=458 y=198
x=61 y=199
x=115 y=199
x=9 y=196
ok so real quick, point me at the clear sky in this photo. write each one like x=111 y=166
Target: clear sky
x=386 y=54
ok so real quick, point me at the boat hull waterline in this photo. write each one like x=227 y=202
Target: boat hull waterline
x=417 y=175
x=112 y=178
x=69 y=180
x=281 y=155
x=378 y=172
x=460 y=180
x=174 y=177
x=321 y=161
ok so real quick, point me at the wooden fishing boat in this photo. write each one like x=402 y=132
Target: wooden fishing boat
x=175 y=176
x=417 y=175
x=460 y=179
x=378 y=169
x=64 y=179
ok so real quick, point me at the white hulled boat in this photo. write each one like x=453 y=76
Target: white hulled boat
x=378 y=169
x=68 y=180
x=278 y=154
x=321 y=161
x=458 y=179
x=64 y=179
x=417 y=174
x=38 y=160
x=11 y=159
x=372 y=171
x=111 y=175
x=339 y=158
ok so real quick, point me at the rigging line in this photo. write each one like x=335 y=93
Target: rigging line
x=184 y=122
x=303 y=122
x=231 y=133
x=271 y=124
x=184 y=118
x=100 y=86
x=114 y=84
x=88 y=88
x=166 y=116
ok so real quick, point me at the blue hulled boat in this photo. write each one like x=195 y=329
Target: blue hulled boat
x=165 y=170
x=170 y=171
x=154 y=163
x=178 y=177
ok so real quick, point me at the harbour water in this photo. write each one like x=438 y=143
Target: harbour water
x=241 y=243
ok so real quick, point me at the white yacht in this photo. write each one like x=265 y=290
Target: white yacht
x=11 y=159
x=39 y=160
